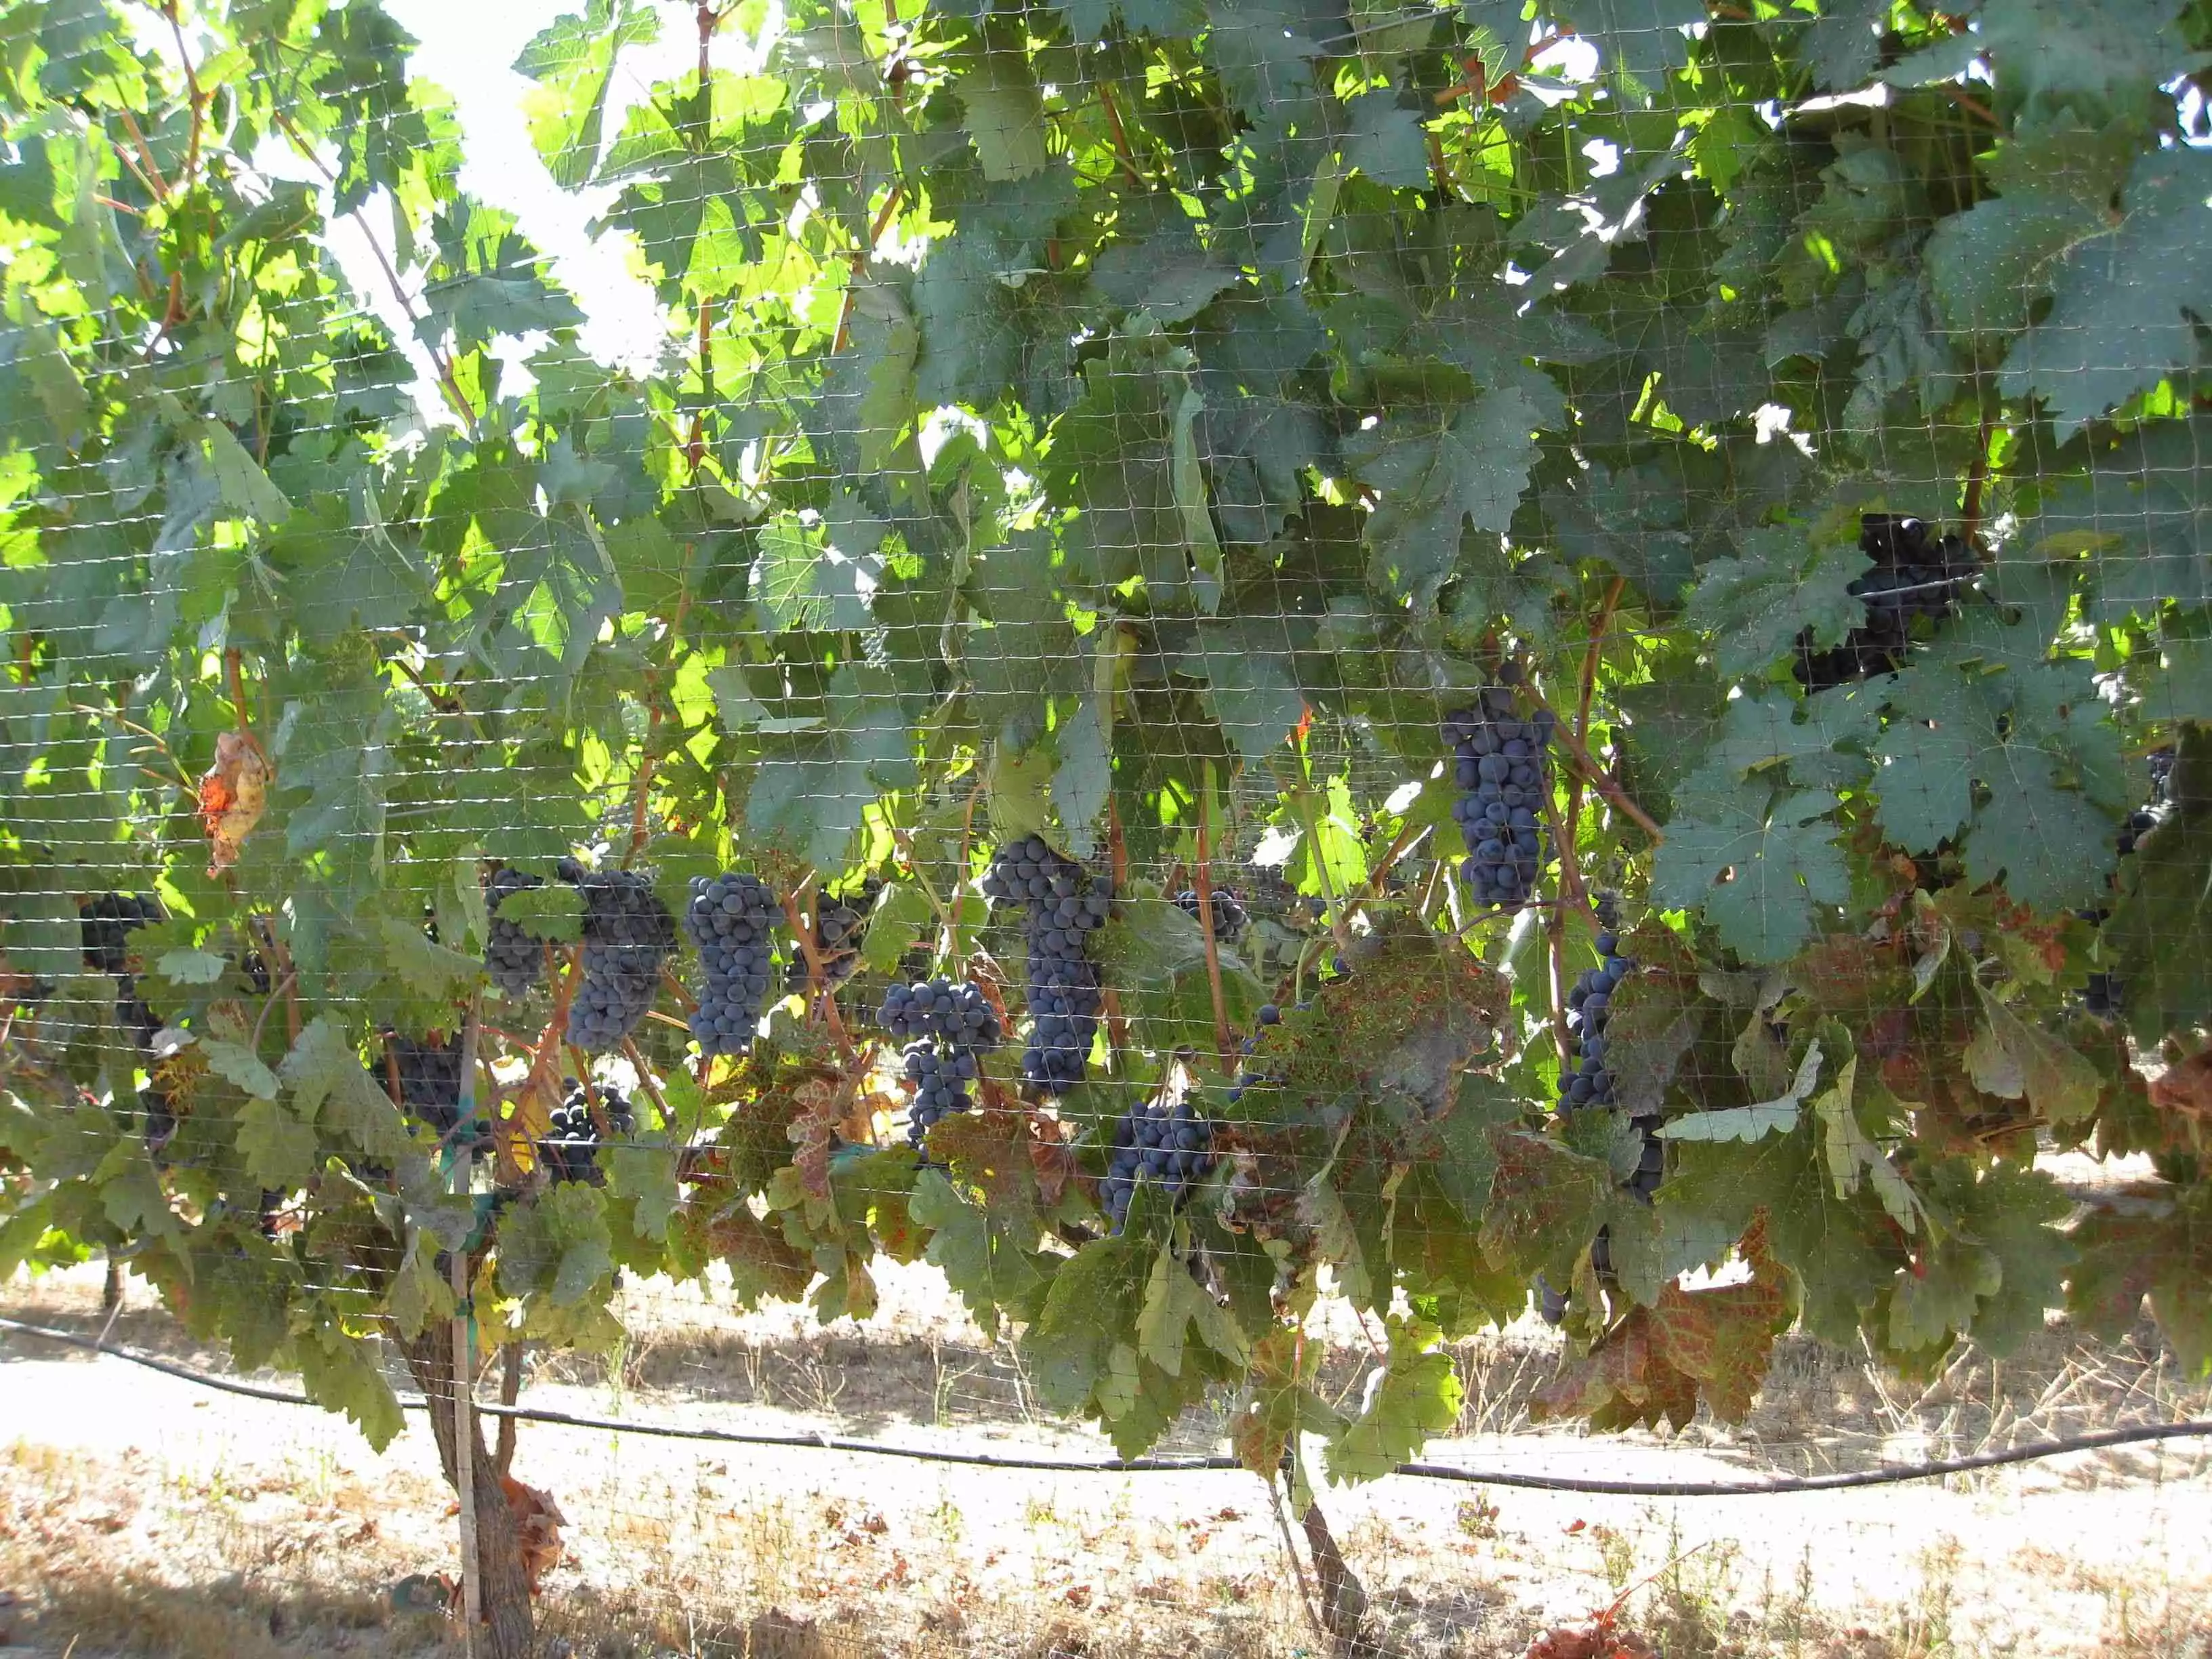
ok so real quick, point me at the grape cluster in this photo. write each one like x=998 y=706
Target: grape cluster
x=1229 y=914
x=731 y=919
x=430 y=1085
x=570 y=1150
x=1172 y=1145
x=1505 y=782
x=947 y=1029
x=1591 y=1084
x=1065 y=903
x=1915 y=575
x=514 y=959
x=104 y=925
x=839 y=927
x=627 y=934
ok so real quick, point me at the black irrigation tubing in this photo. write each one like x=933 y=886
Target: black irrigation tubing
x=2033 y=1451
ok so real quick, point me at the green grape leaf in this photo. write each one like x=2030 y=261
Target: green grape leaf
x=2124 y=305
x=573 y=61
x=235 y=1063
x=1005 y=111
x=2160 y=921
x=2015 y=1060
x=1766 y=1117
x=339 y=1372
x=1385 y=141
x=277 y=1149
x=2092 y=56
x=329 y=1085
x=1174 y=1306
x=1413 y=1395
x=1754 y=607
x=1437 y=470
x=991 y=1273
x=557 y=1244
x=1988 y=267
x=1758 y=863
x=2038 y=741
x=2164 y=1254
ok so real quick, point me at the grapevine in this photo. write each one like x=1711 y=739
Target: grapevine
x=1773 y=466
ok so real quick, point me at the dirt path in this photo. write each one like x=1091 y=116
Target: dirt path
x=166 y=1494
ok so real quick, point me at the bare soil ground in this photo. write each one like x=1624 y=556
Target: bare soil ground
x=143 y=1515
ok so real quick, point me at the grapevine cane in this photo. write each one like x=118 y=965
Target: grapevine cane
x=463 y=1164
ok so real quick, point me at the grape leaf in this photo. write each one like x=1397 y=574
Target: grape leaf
x=1659 y=1362
x=1437 y=470
x=1415 y=1393
x=1988 y=267
x=1755 y=606
x=2037 y=740
x=573 y=61
x=1757 y=862
x=2126 y=304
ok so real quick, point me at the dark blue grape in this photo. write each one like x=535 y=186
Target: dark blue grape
x=1064 y=905
x=732 y=919
x=1153 y=1142
x=627 y=934
x=1498 y=762
x=570 y=1149
x=515 y=961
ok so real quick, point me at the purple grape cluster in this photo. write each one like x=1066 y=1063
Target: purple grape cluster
x=947 y=1028
x=1588 y=1082
x=1171 y=1145
x=840 y=925
x=104 y=925
x=1064 y=903
x=1504 y=781
x=732 y=919
x=514 y=959
x=1229 y=913
x=627 y=934
x=570 y=1149
x=1917 y=576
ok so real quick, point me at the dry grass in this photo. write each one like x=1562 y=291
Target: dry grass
x=179 y=1525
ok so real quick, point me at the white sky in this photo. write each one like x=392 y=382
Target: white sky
x=468 y=47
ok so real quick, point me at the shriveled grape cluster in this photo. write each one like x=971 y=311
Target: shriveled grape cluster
x=1229 y=913
x=732 y=919
x=514 y=959
x=947 y=1028
x=627 y=934
x=1064 y=903
x=1171 y=1145
x=1498 y=761
x=1917 y=576
x=570 y=1149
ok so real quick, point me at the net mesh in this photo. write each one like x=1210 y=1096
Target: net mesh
x=1297 y=479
